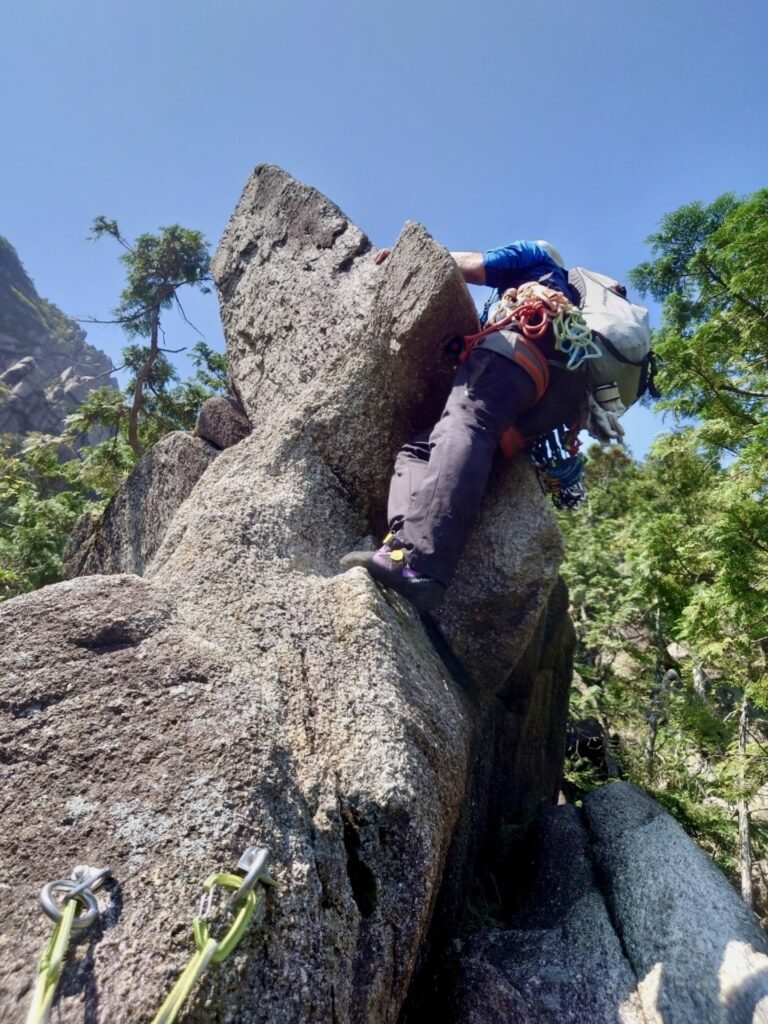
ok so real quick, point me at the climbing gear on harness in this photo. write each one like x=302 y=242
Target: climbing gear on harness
x=254 y=865
x=560 y=466
x=79 y=890
x=390 y=566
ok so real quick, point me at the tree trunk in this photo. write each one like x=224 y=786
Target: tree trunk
x=141 y=380
x=700 y=680
x=745 y=844
x=654 y=713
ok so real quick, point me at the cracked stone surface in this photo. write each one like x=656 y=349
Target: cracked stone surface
x=126 y=537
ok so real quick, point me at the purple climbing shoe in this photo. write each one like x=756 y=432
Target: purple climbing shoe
x=389 y=566
x=354 y=558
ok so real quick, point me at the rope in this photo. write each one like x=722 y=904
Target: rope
x=51 y=963
x=210 y=950
x=532 y=317
x=574 y=338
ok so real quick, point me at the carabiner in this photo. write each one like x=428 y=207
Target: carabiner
x=200 y=928
x=77 y=888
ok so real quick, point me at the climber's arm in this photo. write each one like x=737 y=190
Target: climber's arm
x=469 y=263
x=471 y=266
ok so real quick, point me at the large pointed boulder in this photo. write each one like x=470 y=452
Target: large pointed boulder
x=243 y=691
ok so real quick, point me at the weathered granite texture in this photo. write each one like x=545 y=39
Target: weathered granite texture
x=244 y=692
x=346 y=358
x=222 y=422
x=127 y=535
x=46 y=366
x=564 y=963
x=626 y=921
x=698 y=953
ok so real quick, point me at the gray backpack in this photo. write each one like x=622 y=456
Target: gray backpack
x=624 y=371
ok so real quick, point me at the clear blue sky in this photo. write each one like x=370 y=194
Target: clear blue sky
x=581 y=123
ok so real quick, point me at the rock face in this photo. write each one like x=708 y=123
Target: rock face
x=46 y=365
x=627 y=921
x=222 y=422
x=134 y=523
x=565 y=964
x=243 y=692
x=698 y=953
x=233 y=689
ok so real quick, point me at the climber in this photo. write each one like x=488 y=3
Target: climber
x=440 y=476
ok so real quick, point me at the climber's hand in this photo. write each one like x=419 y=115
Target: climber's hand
x=381 y=255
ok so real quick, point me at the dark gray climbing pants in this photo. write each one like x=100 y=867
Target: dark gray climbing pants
x=440 y=477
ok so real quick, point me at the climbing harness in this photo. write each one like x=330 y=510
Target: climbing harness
x=560 y=466
x=531 y=310
x=530 y=318
x=79 y=892
x=254 y=864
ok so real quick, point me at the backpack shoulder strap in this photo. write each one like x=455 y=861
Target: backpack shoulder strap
x=578 y=286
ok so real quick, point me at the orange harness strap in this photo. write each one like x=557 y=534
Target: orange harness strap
x=532 y=320
x=534 y=362
x=529 y=357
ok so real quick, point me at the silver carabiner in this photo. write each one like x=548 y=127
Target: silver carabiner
x=79 y=888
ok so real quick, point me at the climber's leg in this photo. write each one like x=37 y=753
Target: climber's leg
x=489 y=393
x=411 y=467
x=433 y=503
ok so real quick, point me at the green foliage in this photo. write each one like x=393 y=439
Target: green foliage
x=710 y=271
x=42 y=496
x=157 y=266
x=675 y=550
x=40 y=499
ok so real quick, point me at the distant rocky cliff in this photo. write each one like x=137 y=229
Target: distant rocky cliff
x=46 y=365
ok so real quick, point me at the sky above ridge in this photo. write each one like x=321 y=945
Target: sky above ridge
x=580 y=123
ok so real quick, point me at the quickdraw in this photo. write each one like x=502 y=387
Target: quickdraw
x=255 y=864
x=79 y=892
x=79 y=896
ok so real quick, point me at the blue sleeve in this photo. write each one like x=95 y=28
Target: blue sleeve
x=515 y=256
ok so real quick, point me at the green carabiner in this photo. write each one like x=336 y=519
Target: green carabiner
x=225 y=945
